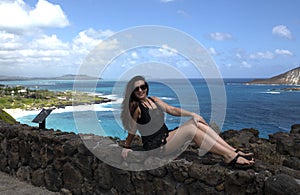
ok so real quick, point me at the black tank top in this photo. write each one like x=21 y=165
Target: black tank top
x=152 y=127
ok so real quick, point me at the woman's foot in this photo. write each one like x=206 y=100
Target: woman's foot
x=248 y=156
x=238 y=162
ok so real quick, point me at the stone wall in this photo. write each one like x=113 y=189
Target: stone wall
x=61 y=162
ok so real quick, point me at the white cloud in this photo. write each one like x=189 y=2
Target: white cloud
x=271 y=55
x=24 y=46
x=97 y=57
x=262 y=55
x=17 y=16
x=229 y=65
x=45 y=51
x=182 y=13
x=134 y=55
x=218 y=36
x=283 y=52
x=166 y=1
x=49 y=42
x=31 y=53
x=164 y=51
x=48 y=15
x=131 y=59
x=9 y=41
x=212 y=51
x=183 y=64
x=246 y=64
x=239 y=56
x=88 y=39
x=282 y=31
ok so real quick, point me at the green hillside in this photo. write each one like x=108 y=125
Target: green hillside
x=6 y=117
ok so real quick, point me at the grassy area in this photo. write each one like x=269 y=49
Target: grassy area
x=27 y=99
x=6 y=117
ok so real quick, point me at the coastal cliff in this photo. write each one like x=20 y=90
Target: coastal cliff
x=291 y=77
x=62 y=163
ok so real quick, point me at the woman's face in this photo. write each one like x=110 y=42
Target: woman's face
x=140 y=89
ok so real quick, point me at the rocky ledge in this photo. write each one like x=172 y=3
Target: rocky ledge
x=62 y=163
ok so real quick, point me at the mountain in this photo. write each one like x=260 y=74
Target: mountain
x=74 y=76
x=291 y=77
x=64 y=77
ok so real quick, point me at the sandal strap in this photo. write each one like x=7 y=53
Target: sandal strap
x=248 y=157
x=233 y=161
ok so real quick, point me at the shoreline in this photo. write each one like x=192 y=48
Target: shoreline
x=18 y=113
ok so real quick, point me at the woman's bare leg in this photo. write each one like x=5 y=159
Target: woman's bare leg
x=208 y=130
x=189 y=131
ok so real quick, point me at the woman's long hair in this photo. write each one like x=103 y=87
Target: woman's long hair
x=130 y=102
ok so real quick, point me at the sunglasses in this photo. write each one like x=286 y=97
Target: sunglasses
x=142 y=87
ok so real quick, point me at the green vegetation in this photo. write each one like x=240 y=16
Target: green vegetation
x=28 y=99
x=6 y=117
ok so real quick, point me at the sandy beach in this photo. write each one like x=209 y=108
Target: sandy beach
x=19 y=113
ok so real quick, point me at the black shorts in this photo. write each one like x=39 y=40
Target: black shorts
x=156 y=140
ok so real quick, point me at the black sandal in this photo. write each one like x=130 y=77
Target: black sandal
x=235 y=165
x=248 y=157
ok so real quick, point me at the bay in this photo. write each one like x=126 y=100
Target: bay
x=266 y=108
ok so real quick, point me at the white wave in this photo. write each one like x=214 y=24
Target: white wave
x=284 y=128
x=95 y=94
x=273 y=92
x=93 y=107
x=111 y=96
x=117 y=101
x=166 y=98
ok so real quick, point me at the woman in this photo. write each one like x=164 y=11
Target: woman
x=146 y=114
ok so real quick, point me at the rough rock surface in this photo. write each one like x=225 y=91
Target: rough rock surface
x=13 y=186
x=62 y=163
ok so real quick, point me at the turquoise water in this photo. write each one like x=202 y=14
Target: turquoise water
x=264 y=107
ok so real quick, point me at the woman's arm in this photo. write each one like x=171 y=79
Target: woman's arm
x=178 y=111
x=128 y=140
x=131 y=134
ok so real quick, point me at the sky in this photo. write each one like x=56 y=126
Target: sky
x=245 y=39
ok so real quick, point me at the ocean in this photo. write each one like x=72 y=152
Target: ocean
x=267 y=108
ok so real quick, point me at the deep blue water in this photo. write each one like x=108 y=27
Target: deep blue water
x=264 y=107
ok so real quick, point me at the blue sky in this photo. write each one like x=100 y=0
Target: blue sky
x=250 y=38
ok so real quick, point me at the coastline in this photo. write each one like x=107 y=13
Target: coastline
x=17 y=113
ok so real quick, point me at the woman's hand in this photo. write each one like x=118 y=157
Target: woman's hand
x=125 y=152
x=199 y=119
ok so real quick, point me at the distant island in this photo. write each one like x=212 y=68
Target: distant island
x=291 y=77
x=64 y=77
